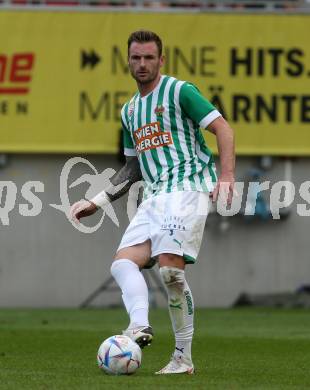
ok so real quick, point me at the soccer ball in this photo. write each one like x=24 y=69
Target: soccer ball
x=119 y=355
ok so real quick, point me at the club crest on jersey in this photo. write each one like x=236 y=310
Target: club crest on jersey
x=151 y=136
x=159 y=110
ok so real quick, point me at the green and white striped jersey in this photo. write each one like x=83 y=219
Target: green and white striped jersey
x=163 y=130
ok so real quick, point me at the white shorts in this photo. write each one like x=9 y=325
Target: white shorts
x=174 y=222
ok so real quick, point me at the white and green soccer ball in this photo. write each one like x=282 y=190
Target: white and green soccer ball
x=119 y=355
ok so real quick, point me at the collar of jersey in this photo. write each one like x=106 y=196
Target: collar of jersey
x=157 y=87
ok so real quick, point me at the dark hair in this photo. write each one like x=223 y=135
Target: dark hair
x=143 y=36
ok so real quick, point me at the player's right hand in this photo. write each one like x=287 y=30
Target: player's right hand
x=81 y=209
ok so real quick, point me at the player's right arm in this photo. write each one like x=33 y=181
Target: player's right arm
x=120 y=184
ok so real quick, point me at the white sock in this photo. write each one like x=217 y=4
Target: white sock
x=181 y=309
x=134 y=290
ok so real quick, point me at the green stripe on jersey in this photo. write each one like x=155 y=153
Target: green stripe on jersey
x=143 y=157
x=175 y=136
x=127 y=136
x=166 y=148
x=160 y=101
x=154 y=153
x=149 y=108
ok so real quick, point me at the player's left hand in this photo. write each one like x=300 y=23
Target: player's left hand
x=224 y=189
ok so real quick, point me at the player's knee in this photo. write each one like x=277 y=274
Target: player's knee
x=117 y=265
x=114 y=267
x=173 y=276
x=168 y=257
x=171 y=260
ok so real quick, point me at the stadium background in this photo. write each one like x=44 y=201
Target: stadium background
x=63 y=78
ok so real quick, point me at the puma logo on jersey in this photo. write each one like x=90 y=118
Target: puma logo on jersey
x=178 y=242
x=131 y=109
x=151 y=136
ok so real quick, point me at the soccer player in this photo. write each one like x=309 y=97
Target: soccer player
x=164 y=146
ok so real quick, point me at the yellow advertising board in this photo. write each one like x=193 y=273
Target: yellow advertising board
x=64 y=77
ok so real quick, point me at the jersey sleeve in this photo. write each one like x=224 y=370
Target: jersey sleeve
x=129 y=148
x=196 y=106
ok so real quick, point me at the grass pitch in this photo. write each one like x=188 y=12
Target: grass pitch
x=232 y=349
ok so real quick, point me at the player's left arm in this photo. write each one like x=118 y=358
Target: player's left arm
x=205 y=115
x=226 y=148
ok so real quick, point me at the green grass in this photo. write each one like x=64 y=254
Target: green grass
x=233 y=349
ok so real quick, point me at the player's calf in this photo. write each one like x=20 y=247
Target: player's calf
x=181 y=309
